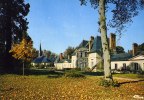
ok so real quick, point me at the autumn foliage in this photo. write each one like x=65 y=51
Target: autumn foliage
x=23 y=50
x=43 y=88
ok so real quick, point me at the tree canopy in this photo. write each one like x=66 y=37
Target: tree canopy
x=122 y=10
x=13 y=23
x=141 y=47
x=69 y=51
x=23 y=50
x=120 y=49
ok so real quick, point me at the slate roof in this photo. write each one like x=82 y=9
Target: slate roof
x=97 y=45
x=83 y=44
x=41 y=59
x=121 y=57
x=61 y=61
x=65 y=60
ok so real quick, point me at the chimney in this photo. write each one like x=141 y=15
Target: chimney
x=90 y=42
x=130 y=51
x=112 y=42
x=134 y=48
x=61 y=56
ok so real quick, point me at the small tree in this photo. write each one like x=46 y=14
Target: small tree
x=23 y=51
x=68 y=52
x=141 y=47
x=120 y=49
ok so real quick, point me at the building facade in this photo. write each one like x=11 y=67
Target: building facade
x=88 y=54
x=135 y=63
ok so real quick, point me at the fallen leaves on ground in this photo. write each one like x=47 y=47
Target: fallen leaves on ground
x=17 y=87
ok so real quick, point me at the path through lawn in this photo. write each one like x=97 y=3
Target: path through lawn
x=16 y=87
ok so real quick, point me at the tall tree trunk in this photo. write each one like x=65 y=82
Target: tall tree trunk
x=23 y=68
x=105 y=46
x=8 y=37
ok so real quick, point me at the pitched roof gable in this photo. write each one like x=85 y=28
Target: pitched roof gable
x=41 y=59
x=138 y=57
x=97 y=45
x=83 y=44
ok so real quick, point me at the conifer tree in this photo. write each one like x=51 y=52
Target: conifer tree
x=12 y=24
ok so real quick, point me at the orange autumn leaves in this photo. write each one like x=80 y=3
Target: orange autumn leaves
x=16 y=87
x=23 y=50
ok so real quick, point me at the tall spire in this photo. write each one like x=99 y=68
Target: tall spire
x=40 y=50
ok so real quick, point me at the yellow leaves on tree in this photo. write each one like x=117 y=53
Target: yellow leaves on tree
x=23 y=50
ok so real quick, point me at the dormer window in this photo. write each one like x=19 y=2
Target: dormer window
x=80 y=54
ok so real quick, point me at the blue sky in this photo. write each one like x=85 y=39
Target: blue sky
x=58 y=24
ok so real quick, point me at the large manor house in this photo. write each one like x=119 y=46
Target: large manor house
x=88 y=55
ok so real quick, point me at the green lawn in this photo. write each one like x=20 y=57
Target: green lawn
x=40 y=87
x=131 y=76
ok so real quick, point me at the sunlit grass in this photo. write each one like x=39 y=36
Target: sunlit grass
x=130 y=75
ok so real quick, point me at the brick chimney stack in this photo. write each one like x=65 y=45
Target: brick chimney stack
x=112 y=42
x=61 y=56
x=134 y=49
x=130 y=51
x=90 y=42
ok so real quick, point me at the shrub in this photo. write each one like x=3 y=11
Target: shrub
x=107 y=83
x=77 y=69
x=54 y=76
x=115 y=84
x=86 y=69
x=74 y=74
x=104 y=83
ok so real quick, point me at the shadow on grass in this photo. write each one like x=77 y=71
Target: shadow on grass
x=43 y=72
x=93 y=73
x=35 y=72
x=132 y=81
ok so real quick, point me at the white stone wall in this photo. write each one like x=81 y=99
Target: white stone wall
x=74 y=62
x=129 y=64
x=63 y=65
x=93 y=59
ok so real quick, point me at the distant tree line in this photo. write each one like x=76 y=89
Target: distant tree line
x=49 y=54
x=141 y=47
x=68 y=52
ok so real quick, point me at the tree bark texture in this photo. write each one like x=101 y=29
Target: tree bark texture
x=105 y=47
